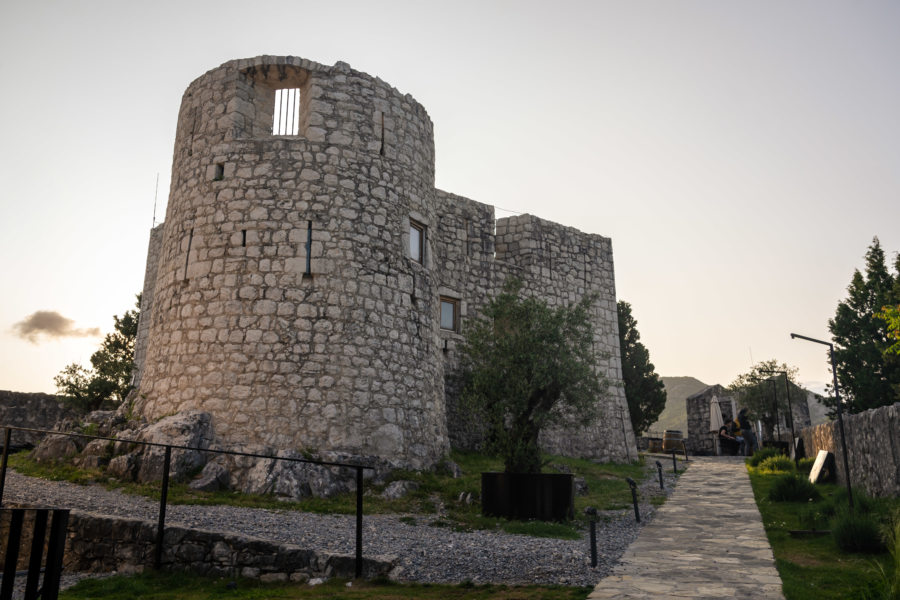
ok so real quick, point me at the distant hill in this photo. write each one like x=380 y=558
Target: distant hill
x=674 y=415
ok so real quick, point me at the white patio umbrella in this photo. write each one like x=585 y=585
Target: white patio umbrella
x=715 y=415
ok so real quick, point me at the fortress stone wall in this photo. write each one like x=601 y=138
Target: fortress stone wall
x=284 y=295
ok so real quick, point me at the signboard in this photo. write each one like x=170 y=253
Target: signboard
x=824 y=462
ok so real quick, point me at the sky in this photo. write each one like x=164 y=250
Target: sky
x=741 y=155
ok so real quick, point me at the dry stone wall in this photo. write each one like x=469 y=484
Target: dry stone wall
x=873 y=448
x=34 y=411
x=101 y=544
x=282 y=294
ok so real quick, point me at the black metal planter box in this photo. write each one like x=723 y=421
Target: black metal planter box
x=522 y=496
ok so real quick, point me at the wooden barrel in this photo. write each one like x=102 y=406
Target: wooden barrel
x=654 y=445
x=672 y=439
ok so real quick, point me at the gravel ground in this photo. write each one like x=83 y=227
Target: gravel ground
x=424 y=553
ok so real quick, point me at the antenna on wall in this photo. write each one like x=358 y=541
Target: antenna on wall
x=155 y=195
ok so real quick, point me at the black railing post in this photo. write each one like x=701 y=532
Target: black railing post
x=359 y=513
x=674 y=463
x=6 y=438
x=55 y=547
x=634 y=498
x=684 y=449
x=163 y=496
x=12 y=554
x=659 y=470
x=591 y=512
x=37 y=551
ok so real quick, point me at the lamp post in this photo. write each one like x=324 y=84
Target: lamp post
x=787 y=387
x=840 y=412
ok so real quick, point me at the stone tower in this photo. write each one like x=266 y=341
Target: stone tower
x=308 y=286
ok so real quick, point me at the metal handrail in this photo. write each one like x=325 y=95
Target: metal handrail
x=165 y=481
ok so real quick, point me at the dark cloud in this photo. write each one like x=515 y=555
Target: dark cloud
x=51 y=324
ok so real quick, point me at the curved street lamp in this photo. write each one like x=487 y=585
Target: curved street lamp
x=840 y=412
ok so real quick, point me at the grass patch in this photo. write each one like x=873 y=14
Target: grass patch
x=815 y=567
x=439 y=500
x=164 y=586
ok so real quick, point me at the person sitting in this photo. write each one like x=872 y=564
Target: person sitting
x=728 y=444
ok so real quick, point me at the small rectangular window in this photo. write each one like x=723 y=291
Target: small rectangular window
x=449 y=313
x=417 y=241
x=286 y=119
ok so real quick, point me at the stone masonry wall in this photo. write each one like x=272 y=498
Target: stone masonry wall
x=140 y=346
x=344 y=356
x=101 y=544
x=35 y=411
x=285 y=301
x=873 y=447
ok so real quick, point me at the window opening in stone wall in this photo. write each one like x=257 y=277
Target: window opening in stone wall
x=381 y=148
x=449 y=313
x=286 y=119
x=187 y=256
x=308 y=272
x=243 y=238
x=220 y=172
x=417 y=241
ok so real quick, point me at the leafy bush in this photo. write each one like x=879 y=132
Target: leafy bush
x=857 y=532
x=777 y=463
x=805 y=465
x=761 y=455
x=793 y=488
x=892 y=540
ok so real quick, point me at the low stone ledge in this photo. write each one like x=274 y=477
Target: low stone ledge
x=101 y=543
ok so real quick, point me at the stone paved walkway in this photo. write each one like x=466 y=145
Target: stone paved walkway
x=706 y=541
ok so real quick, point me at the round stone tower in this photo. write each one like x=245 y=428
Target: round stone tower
x=294 y=298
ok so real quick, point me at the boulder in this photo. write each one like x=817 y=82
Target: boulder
x=213 y=478
x=398 y=489
x=123 y=467
x=192 y=429
x=53 y=448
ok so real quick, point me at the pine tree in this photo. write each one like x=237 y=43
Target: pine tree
x=866 y=375
x=644 y=390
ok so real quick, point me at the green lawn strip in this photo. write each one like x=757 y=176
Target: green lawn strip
x=163 y=586
x=814 y=567
x=436 y=501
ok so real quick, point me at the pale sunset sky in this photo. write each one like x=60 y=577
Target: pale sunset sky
x=741 y=155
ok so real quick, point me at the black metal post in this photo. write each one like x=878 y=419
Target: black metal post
x=55 y=548
x=359 y=513
x=775 y=406
x=161 y=525
x=840 y=412
x=6 y=438
x=634 y=498
x=591 y=512
x=674 y=463
x=12 y=554
x=37 y=550
x=787 y=387
x=684 y=449
x=659 y=470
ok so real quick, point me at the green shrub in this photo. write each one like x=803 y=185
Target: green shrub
x=891 y=578
x=805 y=465
x=856 y=532
x=793 y=488
x=777 y=463
x=761 y=455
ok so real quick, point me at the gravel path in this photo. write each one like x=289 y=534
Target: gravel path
x=424 y=553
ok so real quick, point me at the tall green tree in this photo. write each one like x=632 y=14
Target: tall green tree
x=644 y=390
x=527 y=366
x=867 y=374
x=107 y=383
x=764 y=396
